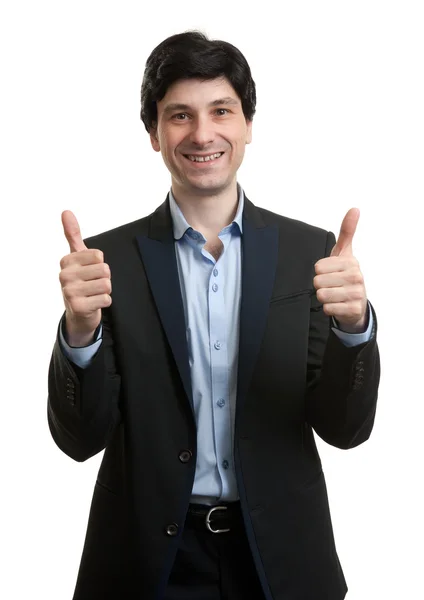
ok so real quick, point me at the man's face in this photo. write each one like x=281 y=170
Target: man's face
x=201 y=133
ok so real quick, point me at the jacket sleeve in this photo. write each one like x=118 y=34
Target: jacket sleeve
x=342 y=382
x=83 y=404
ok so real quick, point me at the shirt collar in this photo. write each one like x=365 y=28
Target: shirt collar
x=180 y=224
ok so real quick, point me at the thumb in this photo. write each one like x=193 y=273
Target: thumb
x=72 y=232
x=347 y=231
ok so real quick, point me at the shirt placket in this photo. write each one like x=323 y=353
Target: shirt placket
x=219 y=373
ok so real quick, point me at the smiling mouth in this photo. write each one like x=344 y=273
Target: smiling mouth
x=203 y=159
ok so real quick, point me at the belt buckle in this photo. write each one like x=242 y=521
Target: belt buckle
x=208 y=519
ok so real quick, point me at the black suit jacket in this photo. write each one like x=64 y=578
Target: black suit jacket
x=135 y=400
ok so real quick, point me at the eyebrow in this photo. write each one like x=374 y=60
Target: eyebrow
x=228 y=100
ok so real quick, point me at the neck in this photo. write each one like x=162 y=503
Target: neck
x=208 y=213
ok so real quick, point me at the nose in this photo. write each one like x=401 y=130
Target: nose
x=202 y=132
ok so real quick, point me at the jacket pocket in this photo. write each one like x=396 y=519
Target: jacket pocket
x=291 y=296
x=105 y=487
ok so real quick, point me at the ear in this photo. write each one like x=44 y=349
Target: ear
x=248 y=132
x=154 y=140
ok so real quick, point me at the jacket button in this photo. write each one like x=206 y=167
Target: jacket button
x=172 y=529
x=185 y=456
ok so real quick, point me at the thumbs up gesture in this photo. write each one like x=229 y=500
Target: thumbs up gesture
x=86 y=285
x=339 y=281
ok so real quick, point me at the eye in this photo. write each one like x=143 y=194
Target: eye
x=180 y=117
x=222 y=111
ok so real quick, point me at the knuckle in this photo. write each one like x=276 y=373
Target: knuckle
x=105 y=286
x=98 y=256
x=358 y=277
x=68 y=292
x=357 y=293
x=64 y=261
x=62 y=278
x=69 y=274
x=321 y=295
x=79 y=305
x=65 y=292
x=358 y=309
x=355 y=309
x=328 y=311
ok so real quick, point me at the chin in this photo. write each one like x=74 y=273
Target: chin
x=211 y=186
x=208 y=190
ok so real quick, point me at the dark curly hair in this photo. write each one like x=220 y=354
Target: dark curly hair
x=191 y=55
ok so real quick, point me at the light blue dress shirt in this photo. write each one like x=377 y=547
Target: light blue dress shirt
x=211 y=293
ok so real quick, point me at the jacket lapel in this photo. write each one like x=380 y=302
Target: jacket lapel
x=158 y=255
x=259 y=263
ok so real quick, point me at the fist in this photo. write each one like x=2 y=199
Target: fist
x=86 y=285
x=339 y=281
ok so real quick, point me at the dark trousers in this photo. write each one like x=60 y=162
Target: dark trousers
x=214 y=566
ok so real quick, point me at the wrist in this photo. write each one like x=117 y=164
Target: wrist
x=359 y=327
x=76 y=337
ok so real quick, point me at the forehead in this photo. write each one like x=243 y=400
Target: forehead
x=198 y=93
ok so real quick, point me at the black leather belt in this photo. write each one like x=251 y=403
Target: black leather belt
x=221 y=518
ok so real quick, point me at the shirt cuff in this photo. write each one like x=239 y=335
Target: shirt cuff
x=80 y=356
x=354 y=339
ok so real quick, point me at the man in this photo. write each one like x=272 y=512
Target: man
x=232 y=333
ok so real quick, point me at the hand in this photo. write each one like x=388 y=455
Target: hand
x=339 y=281
x=86 y=285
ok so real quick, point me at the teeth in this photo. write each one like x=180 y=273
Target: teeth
x=204 y=158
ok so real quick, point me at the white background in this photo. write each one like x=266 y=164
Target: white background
x=339 y=124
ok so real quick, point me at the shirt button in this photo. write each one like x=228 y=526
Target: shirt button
x=221 y=402
x=225 y=464
x=215 y=272
x=217 y=345
x=185 y=456
x=215 y=287
x=171 y=529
